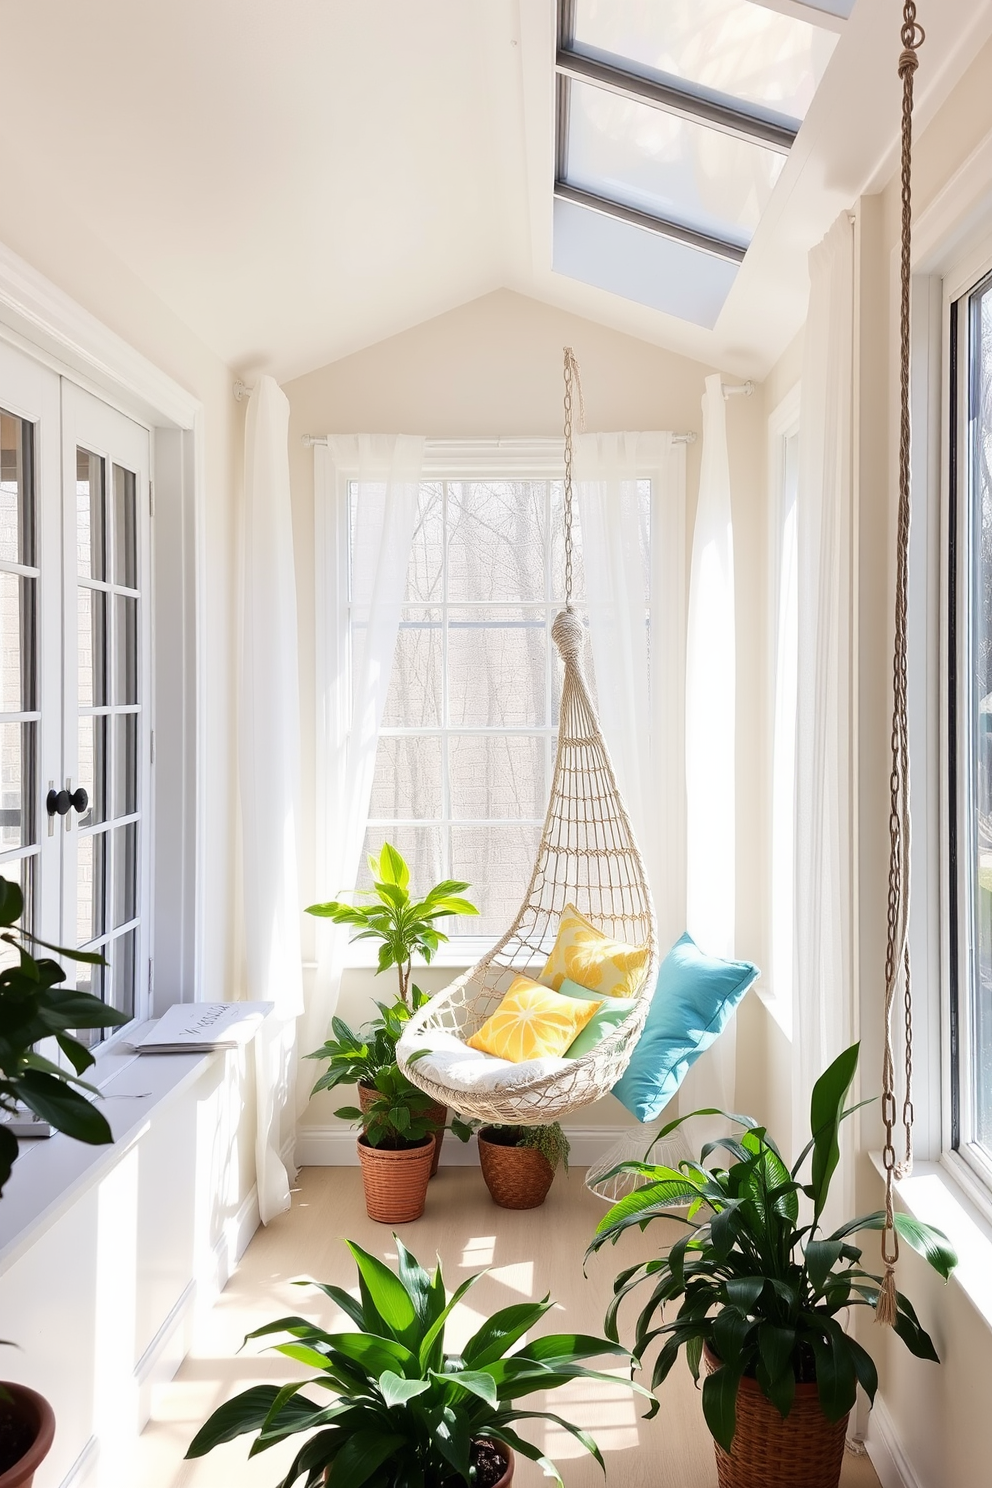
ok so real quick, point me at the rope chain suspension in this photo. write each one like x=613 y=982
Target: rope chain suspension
x=897 y=957
x=573 y=386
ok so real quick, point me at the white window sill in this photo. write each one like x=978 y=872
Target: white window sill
x=945 y=1195
x=51 y=1173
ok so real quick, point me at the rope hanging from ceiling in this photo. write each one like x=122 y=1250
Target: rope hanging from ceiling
x=897 y=956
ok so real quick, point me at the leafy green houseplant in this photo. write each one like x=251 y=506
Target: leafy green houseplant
x=396 y=1147
x=518 y=1163
x=35 y=1007
x=395 y=1407
x=758 y=1286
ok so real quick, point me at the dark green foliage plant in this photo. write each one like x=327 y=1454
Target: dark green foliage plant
x=357 y=1058
x=404 y=927
x=395 y=1407
x=400 y=1116
x=754 y=1277
x=34 y=1007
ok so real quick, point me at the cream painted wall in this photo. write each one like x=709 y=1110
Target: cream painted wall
x=34 y=224
x=493 y=367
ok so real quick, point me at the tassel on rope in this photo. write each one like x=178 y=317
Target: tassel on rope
x=897 y=958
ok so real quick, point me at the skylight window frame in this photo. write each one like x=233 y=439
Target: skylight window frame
x=697 y=106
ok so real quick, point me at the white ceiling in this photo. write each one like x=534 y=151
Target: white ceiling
x=297 y=179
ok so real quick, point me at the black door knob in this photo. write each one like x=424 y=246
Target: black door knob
x=58 y=802
x=79 y=800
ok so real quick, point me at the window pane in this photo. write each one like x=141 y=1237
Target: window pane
x=21 y=871
x=497 y=861
x=17 y=784
x=420 y=846
x=93 y=767
x=671 y=167
x=981 y=708
x=92 y=645
x=120 y=955
x=125 y=764
x=125 y=530
x=16 y=490
x=91 y=886
x=496 y=668
x=125 y=873
x=729 y=47
x=414 y=697
x=17 y=643
x=497 y=775
x=497 y=540
x=126 y=641
x=425 y=573
x=407 y=779
x=91 y=518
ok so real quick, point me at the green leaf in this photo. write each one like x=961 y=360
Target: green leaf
x=475 y=1381
x=864 y=1366
x=348 y=1304
x=8 y=1153
x=246 y=1412
x=668 y=1190
x=392 y=867
x=509 y=1438
x=11 y=902
x=826 y=1114
x=362 y=1455
x=836 y=1379
x=77 y=1054
x=397 y=1391
x=744 y=1291
x=430 y=1345
x=720 y=1404
x=55 y=1101
x=558 y=1347
x=501 y=1331
x=821 y=1257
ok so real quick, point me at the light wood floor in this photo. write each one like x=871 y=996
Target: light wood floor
x=529 y=1253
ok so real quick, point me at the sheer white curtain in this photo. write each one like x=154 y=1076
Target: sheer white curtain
x=269 y=775
x=357 y=624
x=631 y=500
x=710 y=733
x=824 y=1013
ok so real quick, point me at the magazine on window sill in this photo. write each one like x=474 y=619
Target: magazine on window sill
x=199 y=1027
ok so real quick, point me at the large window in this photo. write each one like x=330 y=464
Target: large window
x=466 y=747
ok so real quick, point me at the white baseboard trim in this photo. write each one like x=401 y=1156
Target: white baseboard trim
x=890 y=1462
x=334 y=1147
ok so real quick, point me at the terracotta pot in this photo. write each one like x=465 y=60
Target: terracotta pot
x=437 y=1113
x=395 y=1180
x=804 y=1450
x=27 y=1405
x=517 y=1177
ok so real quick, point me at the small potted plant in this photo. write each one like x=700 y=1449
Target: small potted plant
x=405 y=928
x=760 y=1292
x=34 y=1007
x=395 y=1148
x=395 y=1408
x=519 y=1163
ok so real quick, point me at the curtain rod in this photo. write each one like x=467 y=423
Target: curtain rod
x=310 y=440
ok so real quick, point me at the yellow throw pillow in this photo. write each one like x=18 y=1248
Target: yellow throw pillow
x=532 y=1023
x=585 y=955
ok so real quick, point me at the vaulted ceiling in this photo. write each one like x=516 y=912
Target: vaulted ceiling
x=297 y=179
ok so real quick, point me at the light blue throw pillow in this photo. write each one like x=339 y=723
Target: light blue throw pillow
x=694 y=998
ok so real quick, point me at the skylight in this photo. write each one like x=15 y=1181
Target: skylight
x=676 y=119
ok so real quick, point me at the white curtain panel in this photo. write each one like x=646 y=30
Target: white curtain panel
x=269 y=774
x=824 y=1012
x=363 y=553
x=630 y=489
x=710 y=732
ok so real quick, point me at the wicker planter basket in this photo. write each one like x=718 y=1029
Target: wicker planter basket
x=804 y=1450
x=437 y=1113
x=34 y=1410
x=395 y=1180
x=517 y=1177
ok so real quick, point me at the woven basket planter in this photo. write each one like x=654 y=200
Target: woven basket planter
x=517 y=1177
x=804 y=1450
x=438 y=1114
x=33 y=1410
x=395 y=1180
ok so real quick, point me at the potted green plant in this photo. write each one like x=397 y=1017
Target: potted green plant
x=760 y=1290
x=518 y=1163
x=405 y=927
x=34 y=1007
x=396 y=1408
x=395 y=1147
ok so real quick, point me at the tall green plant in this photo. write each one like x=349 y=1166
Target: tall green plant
x=356 y=1058
x=34 y=1007
x=755 y=1279
x=404 y=927
x=401 y=1410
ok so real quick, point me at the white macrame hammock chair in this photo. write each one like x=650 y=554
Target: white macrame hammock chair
x=587 y=857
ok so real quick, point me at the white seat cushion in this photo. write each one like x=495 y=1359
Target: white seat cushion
x=458 y=1068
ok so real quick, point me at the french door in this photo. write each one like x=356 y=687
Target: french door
x=75 y=672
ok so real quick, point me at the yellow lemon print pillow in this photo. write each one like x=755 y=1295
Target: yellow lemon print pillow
x=585 y=955
x=532 y=1023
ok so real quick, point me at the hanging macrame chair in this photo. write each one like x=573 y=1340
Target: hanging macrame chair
x=588 y=858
